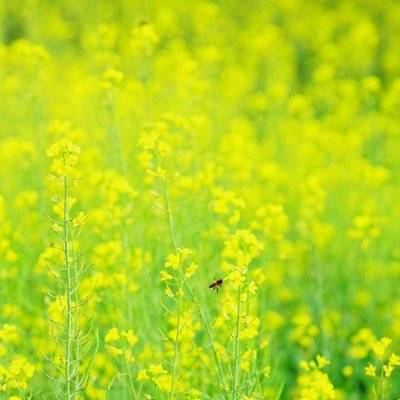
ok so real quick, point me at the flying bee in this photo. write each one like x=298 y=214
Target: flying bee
x=216 y=284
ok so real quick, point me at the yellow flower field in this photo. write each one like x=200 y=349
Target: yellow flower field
x=200 y=200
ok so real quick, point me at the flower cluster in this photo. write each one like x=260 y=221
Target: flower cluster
x=381 y=370
x=16 y=371
x=314 y=383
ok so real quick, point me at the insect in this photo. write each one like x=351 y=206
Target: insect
x=216 y=284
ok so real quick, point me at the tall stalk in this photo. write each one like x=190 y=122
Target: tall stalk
x=237 y=349
x=178 y=327
x=176 y=353
x=70 y=322
x=172 y=235
x=168 y=211
x=72 y=340
x=210 y=336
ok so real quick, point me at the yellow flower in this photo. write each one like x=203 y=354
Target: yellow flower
x=63 y=148
x=236 y=277
x=190 y=270
x=304 y=365
x=173 y=261
x=314 y=383
x=252 y=288
x=394 y=360
x=347 y=371
x=142 y=375
x=115 y=351
x=370 y=370
x=157 y=369
x=387 y=370
x=111 y=77
x=165 y=276
x=322 y=362
x=9 y=334
x=130 y=337
x=112 y=335
x=143 y=39
x=64 y=155
x=267 y=371
x=380 y=347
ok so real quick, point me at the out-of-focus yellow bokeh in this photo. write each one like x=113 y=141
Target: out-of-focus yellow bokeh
x=151 y=149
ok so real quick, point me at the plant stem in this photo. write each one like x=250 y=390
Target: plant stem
x=237 y=349
x=178 y=326
x=171 y=229
x=70 y=322
x=169 y=215
x=382 y=383
x=176 y=353
x=210 y=336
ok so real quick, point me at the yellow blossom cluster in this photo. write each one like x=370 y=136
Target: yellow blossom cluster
x=314 y=383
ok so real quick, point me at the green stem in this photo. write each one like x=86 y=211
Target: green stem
x=237 y=350
x=75 y=299
x=176 y=352
x=178 y=327
x=130 y=381
x=171 y=229
x=210 y=336
x=169 y=215
x=70 y=328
